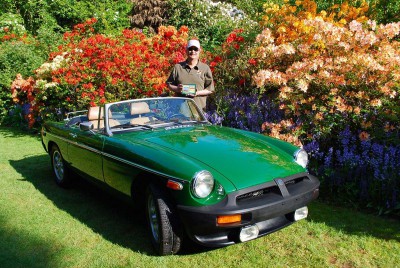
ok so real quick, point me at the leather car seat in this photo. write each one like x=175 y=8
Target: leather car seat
x=98 y=120
x=140 y=111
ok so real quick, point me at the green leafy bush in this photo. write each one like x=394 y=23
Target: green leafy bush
x=16 y=56
x=11 y=23
x=62 y=15
x=386 y=11
x=210 y=22
x=252 y=8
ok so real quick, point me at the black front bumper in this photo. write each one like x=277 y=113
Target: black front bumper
x=270 y=206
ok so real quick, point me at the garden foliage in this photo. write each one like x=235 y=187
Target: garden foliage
x=19 y=53
x=209 y=21
x=385 y=11
x=62 y=15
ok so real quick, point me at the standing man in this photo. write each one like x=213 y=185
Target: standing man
x=192 y=78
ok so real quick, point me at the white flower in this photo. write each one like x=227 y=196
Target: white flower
x=355 y=26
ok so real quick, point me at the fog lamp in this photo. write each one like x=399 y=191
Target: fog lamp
x=301 y=213
x=249 y=232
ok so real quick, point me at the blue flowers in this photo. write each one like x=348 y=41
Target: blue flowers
x=363 y=171
x=246 y=112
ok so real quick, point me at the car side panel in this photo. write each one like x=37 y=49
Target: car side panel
x=118 y=173
x=123 y=162
x=85 y=152
x=56 y=133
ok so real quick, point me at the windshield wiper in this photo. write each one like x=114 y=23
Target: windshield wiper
x=129 y=125
x=185 y=122
x=190 y=122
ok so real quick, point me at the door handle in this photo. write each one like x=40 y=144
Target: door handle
x=73 y=135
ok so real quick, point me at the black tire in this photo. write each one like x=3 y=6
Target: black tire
x=60 y=169
x=164 y=227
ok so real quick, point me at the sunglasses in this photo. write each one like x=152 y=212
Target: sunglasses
x=193 y=49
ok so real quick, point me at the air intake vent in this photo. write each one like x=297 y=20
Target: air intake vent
x=258 y=193
x=294 y=181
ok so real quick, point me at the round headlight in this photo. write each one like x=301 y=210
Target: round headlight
x=301 y=158
x=203 y=184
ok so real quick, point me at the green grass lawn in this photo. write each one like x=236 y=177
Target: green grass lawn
x=42 y=225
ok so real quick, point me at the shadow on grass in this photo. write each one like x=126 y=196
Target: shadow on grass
x=114 y=219
x=15 y=252
x=13 y=132
x=106 y=215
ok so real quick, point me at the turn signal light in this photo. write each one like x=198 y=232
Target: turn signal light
x=174 y=185
x=229 y=219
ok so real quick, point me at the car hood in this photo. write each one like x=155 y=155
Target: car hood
x=244 y=158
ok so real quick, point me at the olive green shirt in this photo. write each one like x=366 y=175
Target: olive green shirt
x=200 y=75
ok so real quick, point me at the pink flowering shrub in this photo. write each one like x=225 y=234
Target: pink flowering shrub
x=331 y=70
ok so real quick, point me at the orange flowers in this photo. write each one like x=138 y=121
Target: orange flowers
x=363 y=136
x=23 y=92
x=22 y=87
x=234 y=40
x=347 y=63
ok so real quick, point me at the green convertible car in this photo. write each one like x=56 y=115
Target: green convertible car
x=215 y=185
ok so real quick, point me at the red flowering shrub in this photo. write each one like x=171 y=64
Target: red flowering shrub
x=232 y=65
x=91 y=69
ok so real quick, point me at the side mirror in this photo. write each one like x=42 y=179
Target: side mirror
x=86 y=126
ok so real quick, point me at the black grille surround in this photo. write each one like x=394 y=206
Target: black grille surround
x=273 y=189
x=270 y=206
x=257 y=194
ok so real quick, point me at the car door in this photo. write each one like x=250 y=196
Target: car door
x=119 y=165
x=85 y=152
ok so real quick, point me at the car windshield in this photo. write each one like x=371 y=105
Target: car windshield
x=153 y=113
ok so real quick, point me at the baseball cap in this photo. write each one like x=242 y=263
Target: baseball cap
x=193 y=43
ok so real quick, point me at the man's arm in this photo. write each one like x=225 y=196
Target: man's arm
x=208 y=84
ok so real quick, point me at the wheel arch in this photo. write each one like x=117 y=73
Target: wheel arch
x=142 y=181
x=50 y=145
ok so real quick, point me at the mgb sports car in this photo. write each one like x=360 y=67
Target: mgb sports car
x=214 y=185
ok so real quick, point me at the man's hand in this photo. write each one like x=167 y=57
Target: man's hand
x=179 y=88
x=176 y=89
